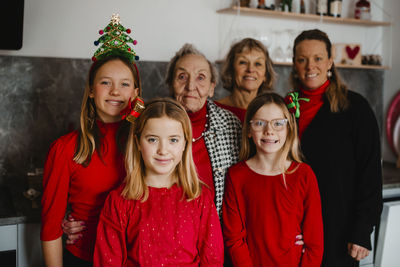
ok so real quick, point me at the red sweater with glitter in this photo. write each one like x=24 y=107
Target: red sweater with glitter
x=309 y=109
x=164 y=230
x=84 y=189
x=199 y=150
x=261 y=217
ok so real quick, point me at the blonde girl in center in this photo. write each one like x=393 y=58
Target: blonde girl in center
x=162 y=215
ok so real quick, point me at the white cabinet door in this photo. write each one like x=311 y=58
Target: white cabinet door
x=8 y=237
x=29 y=251
x=387 y=249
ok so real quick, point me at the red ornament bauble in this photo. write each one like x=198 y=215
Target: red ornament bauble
x=129 y=49
x=128 y=30
x=94 y=59
x=108 y=28
x=134 y=42
x=101 y=32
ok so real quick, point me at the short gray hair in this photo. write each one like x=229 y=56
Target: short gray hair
x=187 y=49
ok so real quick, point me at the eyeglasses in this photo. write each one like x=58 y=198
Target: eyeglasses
x=260 y=125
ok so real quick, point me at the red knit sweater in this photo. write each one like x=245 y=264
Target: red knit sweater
x=84 y=189
x=261 y=217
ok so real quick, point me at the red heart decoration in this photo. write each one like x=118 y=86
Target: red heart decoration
x=352 y=53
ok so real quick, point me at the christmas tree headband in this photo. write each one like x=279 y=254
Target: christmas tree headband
x=115 y=41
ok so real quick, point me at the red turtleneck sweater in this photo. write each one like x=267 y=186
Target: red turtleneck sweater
x=83 y=189
x=309 y=109
x=199 y=149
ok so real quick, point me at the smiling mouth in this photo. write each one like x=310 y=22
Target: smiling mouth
x=114 y=102
x=248 y=78
x=268 y=141
x=312 y=75
x=163 y=161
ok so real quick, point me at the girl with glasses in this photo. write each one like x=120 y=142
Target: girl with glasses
x=271 y=197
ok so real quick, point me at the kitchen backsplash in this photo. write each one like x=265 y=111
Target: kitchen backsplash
x=40 y=100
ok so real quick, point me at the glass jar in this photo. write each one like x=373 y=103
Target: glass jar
x=363 y=10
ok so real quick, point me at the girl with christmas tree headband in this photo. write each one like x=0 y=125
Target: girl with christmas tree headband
x=84 y=165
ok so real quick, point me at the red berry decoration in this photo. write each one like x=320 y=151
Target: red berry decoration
x=128 y=30
x=134 y=42
x=93 y=59
x=101 y=32
x=129 y=49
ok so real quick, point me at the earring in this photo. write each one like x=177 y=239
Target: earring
x=329 y=74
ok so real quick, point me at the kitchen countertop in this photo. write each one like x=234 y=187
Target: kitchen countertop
x=16 y=208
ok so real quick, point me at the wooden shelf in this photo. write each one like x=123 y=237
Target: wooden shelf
x=289 y=15
x=341 y=66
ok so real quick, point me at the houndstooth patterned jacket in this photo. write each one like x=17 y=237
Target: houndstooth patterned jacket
x=222 y=140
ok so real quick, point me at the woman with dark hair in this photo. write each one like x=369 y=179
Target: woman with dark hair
x=340 y=141
x=191 y=79
x=247 y=71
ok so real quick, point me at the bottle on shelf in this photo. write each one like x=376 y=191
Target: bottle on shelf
x=321 y=7
x=302 y=7
x=296 y=6
x=363 y=10
x=335 y=8
x=286 y=5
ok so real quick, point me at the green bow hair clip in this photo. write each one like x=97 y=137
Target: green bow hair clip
x=292 y=102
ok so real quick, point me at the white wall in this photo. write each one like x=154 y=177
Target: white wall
x=59 y=28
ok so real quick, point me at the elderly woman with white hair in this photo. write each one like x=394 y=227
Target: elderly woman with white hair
x=191 y=79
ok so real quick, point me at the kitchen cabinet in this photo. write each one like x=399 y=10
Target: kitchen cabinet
x=8 y=245
x=387 y=252
x=24 y=240
x=29 y=253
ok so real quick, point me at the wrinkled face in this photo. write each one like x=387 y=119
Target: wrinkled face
x=162 y=144
x=312 y=63
x=268 y=140
x=112 y=87
x=249 y=66
x=192 y=82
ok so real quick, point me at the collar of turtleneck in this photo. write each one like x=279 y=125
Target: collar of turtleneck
x=105 y=127
x=199 y=117
x=309 y=109
x=315 y=92
x=198 y=120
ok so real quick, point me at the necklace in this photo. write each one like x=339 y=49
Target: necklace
x=203 y=133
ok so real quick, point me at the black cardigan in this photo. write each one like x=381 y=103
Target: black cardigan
x=343 y=149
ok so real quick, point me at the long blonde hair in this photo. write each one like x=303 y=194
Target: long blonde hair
x=185 y=172
x=89 y=134
x=291 y=148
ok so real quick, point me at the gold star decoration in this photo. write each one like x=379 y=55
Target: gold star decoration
x=115 y=19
